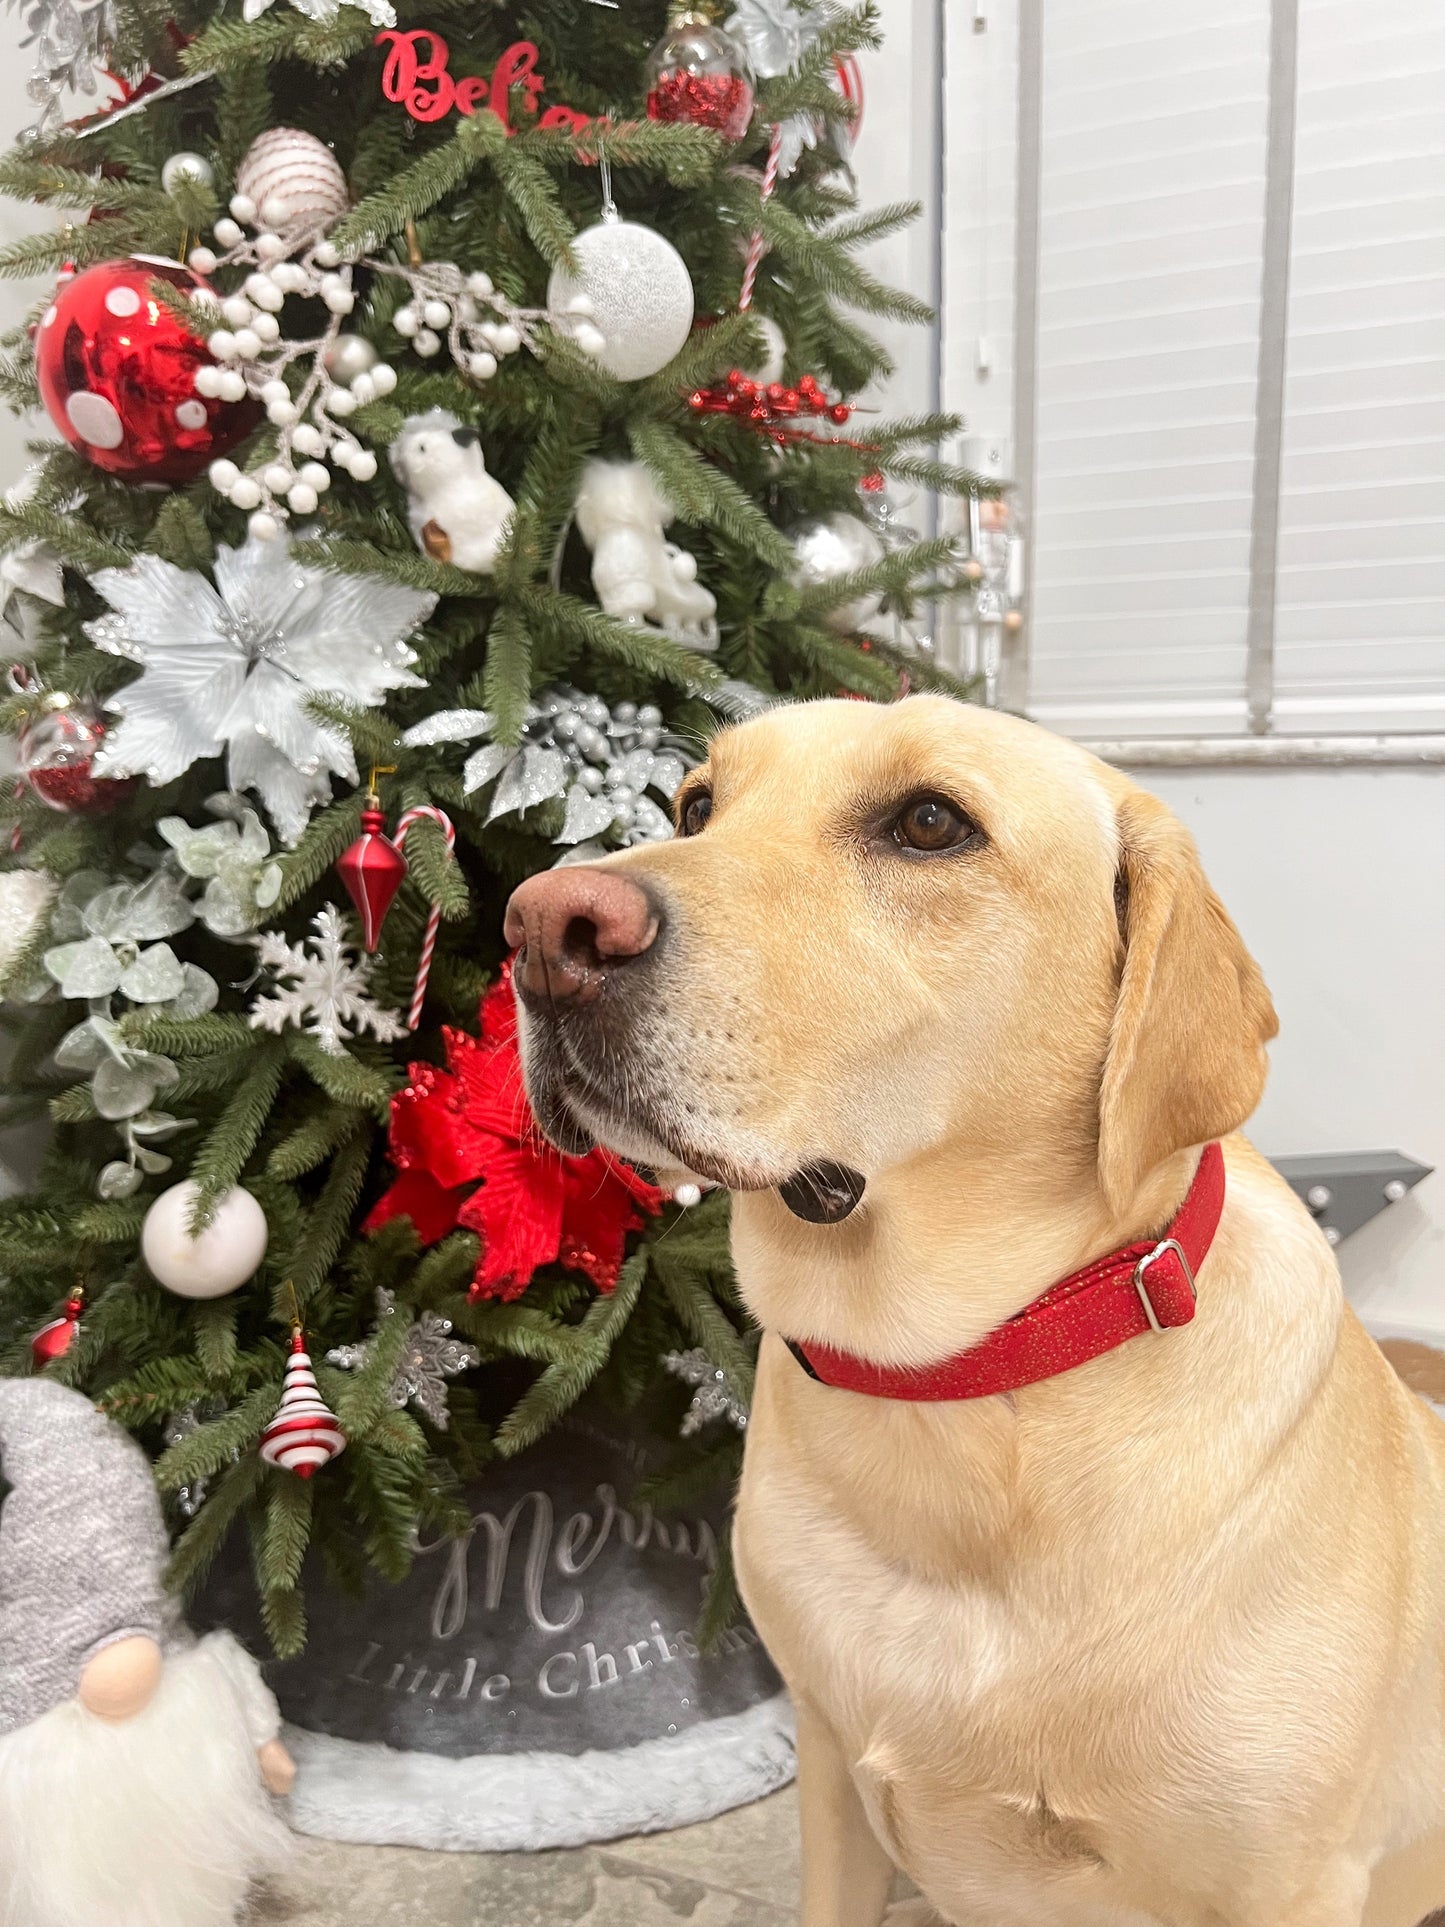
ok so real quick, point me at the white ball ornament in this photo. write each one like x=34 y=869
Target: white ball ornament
x=641 y=295
x=308 y=440
x=228 y=233
x=248 y=343
x=264 y=526
x=302 y=498
x=270 y=247
x=208 y=381
x=482 y=366
x=236 y=311
x=315 y=475
x=325 y=255
x=225 y=1254
x=363 y=389
x=203 y=260
x=224 y=476
x=278 y=478
x=281 y=414
x=233 y=385
x=383 y=378
x=222 y=344
x=406 y=321
x=363 y=465
x=480 y=285
x=427 y=343
x=267 y=327
x=243 y=207
x=589 y=339
x=276 y=212
x=341 y=402
x=246 y=493
x=286 y=165
x=436 y=314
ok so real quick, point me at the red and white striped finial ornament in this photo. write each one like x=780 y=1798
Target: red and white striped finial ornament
x=305 y=1433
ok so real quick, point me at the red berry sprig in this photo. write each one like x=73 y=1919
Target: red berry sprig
x=770 y=406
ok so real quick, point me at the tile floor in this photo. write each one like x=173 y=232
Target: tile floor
x=737 y=1871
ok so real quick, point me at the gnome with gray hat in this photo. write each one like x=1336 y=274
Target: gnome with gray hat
x=136 y=1764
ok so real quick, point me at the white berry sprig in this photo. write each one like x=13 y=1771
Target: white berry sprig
x=339 y=371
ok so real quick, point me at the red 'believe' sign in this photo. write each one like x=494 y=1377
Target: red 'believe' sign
x=416 y=74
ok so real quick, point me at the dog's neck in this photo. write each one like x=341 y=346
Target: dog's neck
x=942 y=1250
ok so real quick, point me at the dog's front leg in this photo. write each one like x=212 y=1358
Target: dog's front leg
x=846 y=1873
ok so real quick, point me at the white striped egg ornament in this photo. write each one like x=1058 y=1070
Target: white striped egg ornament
x=285 y=169
x=305 y=1434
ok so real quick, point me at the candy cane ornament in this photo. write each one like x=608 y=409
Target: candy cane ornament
x=757 y=247
x=373 y=869
x=433 y=922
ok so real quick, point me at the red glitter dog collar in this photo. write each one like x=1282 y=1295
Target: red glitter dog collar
x=1146 y=1287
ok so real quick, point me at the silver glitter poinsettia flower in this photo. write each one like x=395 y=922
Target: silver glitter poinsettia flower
x=382 y=15
x=233 y=667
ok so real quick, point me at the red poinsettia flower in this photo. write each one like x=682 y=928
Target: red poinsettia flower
x=469 y=1153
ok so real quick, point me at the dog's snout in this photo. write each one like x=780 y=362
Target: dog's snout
x=575 y=925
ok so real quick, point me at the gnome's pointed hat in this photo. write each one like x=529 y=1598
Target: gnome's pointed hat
x=82 y=1546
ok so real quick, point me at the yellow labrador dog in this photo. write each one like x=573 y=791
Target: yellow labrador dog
x=1155 y=1641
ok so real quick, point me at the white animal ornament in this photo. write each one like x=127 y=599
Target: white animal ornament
x=457 y=511
x=639 y=576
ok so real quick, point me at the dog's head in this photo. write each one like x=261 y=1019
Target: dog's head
x=883 y=931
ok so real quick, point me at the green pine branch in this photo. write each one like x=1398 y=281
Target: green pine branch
x=563 y=1383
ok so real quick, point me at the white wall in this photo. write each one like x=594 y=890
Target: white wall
x=1335 y=880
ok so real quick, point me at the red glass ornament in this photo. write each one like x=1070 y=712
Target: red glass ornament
x=117 y=374
x=57 y=749
x=373 y=870
x=697 y=73
x=54 y=1340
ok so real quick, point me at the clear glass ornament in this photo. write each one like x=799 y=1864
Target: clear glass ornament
x=698 y=73
x=57 y=749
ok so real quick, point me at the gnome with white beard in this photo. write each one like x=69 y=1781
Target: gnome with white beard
x=137 y=1765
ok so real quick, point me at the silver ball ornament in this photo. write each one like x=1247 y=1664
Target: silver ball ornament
x=641 y=295
x=827 y=546
x=187 y=167
x=349 y=356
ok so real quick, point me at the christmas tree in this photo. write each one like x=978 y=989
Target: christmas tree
x=457 y=425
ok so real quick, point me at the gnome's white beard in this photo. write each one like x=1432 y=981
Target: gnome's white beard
x=157 y=1821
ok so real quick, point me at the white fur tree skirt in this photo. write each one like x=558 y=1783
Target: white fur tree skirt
x=492 y=1803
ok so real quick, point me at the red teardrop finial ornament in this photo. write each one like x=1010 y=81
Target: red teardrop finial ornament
x=372 y=870
x=54 y=1340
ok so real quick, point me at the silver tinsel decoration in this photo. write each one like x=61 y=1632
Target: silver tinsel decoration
x=233 y=668
x=603 y=760
x=430 y=1357
x=325 y=11
x=714 y=1397
x=72 y=41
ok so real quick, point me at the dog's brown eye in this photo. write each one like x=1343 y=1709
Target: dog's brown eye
x=931 y=823
x=696 y=812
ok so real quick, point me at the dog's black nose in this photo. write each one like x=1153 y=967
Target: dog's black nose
x=575 y=925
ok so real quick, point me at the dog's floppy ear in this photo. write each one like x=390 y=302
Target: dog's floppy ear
x=1186 y=1057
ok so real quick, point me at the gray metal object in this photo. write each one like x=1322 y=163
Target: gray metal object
x=1345 y=1189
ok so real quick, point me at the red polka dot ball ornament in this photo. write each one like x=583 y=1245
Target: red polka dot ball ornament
x=117 y=371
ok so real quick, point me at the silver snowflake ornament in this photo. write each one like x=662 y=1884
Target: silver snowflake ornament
x=323 y=985
x=233 y=668
x=429 y=1358
x=714 y=1397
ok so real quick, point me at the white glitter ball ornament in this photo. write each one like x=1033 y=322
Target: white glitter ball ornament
x=286 y=169
x=828 y=546
x=224 y=1256
x=640 y=293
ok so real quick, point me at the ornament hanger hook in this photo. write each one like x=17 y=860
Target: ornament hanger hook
x=373 y=797
x=604 y=170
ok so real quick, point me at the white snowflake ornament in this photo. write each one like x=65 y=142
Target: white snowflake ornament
x=323 y=985
x=232 y=668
